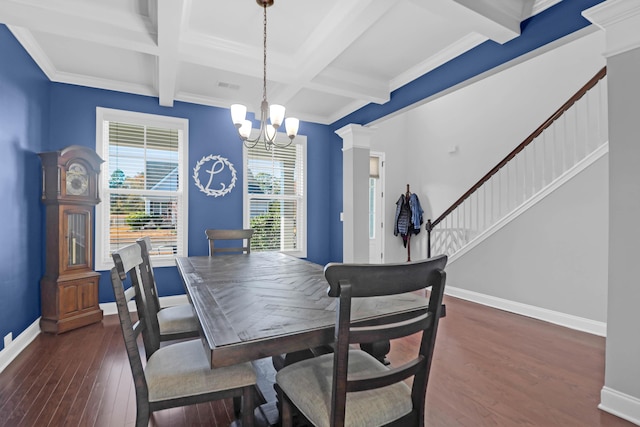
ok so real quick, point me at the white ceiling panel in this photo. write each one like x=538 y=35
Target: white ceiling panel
x=72 y=56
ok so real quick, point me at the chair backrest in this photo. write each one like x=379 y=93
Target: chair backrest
x=130 y=267
x=242 y=235
x=131 y=329
x=348 y=281
x=145 y=249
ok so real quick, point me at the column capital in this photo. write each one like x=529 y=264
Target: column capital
x=620 y=19
x=355 y=136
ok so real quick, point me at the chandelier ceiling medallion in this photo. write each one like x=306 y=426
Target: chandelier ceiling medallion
x=275 y=113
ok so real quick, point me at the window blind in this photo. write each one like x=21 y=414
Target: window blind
x=143 y=168
x=275 y=192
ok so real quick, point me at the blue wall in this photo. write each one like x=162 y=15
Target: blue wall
x=24 y=107
x=37 y=115
x=210 y=132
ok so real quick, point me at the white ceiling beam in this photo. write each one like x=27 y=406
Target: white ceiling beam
x=497 y=20
x=170 y=16
x=348 y=21
x=350 y=85
x=450 y=52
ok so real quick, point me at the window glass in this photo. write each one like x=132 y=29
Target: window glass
x=275 y=197
x=143 y=187
x=372 y=207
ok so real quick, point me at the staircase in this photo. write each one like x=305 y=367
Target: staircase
x=565 y=144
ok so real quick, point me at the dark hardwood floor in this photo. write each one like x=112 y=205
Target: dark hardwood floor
x=491 y=368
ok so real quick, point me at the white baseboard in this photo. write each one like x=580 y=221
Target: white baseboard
x=620 y=404
x=562 y=319
x=9 y=353
x=110 y=307
x=15 y=347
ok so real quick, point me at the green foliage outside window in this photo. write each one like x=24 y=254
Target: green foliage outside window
x=267 y=229
x=137 y=220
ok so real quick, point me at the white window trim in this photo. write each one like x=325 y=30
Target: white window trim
x=103 y=260
x=302 y=217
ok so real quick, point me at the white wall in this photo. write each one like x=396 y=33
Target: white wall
x=621 y=393
x=553 y=256
x=484 y=121
x=391 y=138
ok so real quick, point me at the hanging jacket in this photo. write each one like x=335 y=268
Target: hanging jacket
x=403 y=217
x=416 y=213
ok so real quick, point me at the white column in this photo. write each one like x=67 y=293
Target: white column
x=620 y=19
x=356 y=141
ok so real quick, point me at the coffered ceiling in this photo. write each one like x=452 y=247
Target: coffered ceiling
x=326 y=58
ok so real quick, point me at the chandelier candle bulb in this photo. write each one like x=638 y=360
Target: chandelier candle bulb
x=245 y=129
x=238 y=114
x=292 y=124
x=276 y=114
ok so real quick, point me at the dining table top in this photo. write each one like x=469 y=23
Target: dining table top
x=262 y=304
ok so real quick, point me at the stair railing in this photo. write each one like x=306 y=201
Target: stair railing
x=573 y=132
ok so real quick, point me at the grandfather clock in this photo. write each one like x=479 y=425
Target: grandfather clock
x=69 y=288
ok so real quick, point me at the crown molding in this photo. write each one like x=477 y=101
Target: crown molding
x=355 y=136
x=620 y=19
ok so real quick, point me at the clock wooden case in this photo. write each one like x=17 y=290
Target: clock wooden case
x=69 y=288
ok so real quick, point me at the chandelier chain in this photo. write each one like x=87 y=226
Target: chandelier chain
x=264 y=56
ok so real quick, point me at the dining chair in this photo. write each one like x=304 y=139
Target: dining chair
x=350 y=387
x=241 y=235
x=177 y=374
x=174 y=322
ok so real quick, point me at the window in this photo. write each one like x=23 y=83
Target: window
x=374 y=178
x=372 y=207
x=275 y=198
x=143 y=184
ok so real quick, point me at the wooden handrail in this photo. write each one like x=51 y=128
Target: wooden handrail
x=579 y=94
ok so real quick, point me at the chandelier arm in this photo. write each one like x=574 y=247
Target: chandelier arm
x=282 y=145
x=262 y=132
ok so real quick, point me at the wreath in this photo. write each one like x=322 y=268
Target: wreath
x=222 y=163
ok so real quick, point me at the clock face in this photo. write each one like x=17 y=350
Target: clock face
x=77 y=180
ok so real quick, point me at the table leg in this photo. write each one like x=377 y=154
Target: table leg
x=378 y=349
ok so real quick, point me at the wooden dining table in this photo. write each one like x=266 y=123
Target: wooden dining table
x=265 y=304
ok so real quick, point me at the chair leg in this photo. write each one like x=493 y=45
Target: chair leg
x=285 y=410
x=142 y=417
x=143 y=411
x=237 y=406
x=247 y=406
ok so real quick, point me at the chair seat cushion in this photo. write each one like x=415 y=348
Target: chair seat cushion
x=182 y=369
x=177 y=319
x=308 y=386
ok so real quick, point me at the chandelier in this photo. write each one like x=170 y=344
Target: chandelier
x=275 y=113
